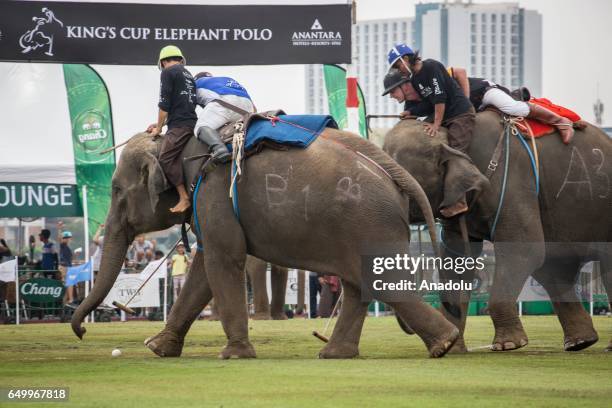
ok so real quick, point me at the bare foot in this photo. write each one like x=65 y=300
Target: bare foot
x=181 y=206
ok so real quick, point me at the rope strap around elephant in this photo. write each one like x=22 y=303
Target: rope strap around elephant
x=510 y=126
x=198 y=231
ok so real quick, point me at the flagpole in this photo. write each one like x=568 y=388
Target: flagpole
x=17 y=290
x=165 y=294
x=86 y=230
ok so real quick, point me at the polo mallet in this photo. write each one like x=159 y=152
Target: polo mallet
x=320 y=336
x=125 y=307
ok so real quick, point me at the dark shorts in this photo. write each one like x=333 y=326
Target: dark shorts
x=460 y=130
x=170 y=156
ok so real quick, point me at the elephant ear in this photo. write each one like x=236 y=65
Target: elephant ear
x=461 y=175
x=155 y=179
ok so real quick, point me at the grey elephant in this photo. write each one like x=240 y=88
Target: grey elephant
x=318 y=209
x=265 y=308
x=547 y=234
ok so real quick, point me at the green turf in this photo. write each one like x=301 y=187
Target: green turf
x=393 y=369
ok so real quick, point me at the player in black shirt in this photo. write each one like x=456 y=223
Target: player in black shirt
x=452 y=109
x=177 y=102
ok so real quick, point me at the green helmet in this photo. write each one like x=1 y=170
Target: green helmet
x=170 y=51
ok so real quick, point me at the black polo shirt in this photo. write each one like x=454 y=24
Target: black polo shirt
x=177 y=96
x=435 y=86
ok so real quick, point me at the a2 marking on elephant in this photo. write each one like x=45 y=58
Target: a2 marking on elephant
x=549 y=234
x=318 y=209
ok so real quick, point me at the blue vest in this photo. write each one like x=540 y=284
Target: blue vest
x=222 y=86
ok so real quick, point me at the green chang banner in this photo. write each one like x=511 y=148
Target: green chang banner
x=92 y=131
x=39 y=200
x=42 y=290
x=335 y=84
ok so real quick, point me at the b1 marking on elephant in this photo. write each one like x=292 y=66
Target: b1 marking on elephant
x=597 y=152
x=276 y=187
x=577 y=163
x=346 y=189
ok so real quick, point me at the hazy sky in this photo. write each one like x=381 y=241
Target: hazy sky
x=577 y=49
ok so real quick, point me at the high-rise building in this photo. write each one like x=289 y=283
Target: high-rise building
x=501 y=42
x=371 y=41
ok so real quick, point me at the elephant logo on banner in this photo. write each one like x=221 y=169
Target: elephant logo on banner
x=36 y=38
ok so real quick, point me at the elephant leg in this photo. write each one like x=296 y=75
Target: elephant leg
x=301 y=282
x=224 y=264
x=278 y=279
x=437 y=333
x=344 y=341
x=256 y=269
x=514 y=263
x=605 y=267
x=193 y=298
x=558 y=278
x=455 y=303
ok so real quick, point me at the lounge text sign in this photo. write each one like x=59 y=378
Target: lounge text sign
x=133 y=34
x=39 y=200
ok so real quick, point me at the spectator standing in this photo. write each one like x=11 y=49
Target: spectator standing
x=5 y=252
x=330 y=293
x=180 y=265
x=314 y=287
x=98 y=241
x=65 y=259
x=49 y=254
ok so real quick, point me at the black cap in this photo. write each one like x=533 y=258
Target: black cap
x=45 y=233
x=393 y=79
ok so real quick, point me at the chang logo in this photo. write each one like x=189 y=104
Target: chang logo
x=316 y=36
x=90 y=130
x=33 y=288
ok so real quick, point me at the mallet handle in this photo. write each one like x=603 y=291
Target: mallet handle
x=124 y=308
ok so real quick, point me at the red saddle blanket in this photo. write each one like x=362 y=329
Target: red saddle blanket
x=539 y=129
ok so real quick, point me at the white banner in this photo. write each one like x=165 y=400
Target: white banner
x=127 y=284
x=7 y=271
x=291 y=293
x=151 y=266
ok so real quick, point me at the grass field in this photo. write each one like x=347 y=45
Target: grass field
x=393 y=369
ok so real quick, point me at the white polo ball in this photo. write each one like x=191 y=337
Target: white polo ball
x=116 y=353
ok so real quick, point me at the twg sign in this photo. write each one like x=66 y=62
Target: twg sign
x=132 y=34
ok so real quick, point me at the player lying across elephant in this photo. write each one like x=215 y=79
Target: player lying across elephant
x=318 y=208
x=546 y=230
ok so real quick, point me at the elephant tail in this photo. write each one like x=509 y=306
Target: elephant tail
x=404 y=180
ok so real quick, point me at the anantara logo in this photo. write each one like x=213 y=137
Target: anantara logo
x=316 y=36
x=36 y=37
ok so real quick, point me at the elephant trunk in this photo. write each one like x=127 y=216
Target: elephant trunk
x=115 y=248
x=415 y=191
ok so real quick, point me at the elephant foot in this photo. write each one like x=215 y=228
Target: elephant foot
x=338 y=351
x=579 y=343
x=261 y=316
x=165 y=344
x=237 y=350
x=459 y=347
x=609 y=348
x=441 y=345
x=214 y=318
x=279 y=316
x=509 y=339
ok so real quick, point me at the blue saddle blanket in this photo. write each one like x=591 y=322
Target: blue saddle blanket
x=293 y=130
